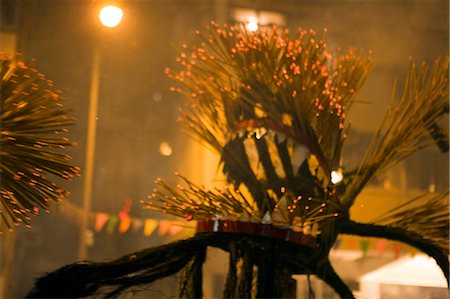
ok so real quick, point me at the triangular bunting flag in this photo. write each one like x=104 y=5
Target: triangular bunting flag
x=149 y=226
x=164 y=227
x=412 y=251
x=381 y=247
x=352 y=243
x=112 y=223
x=364 y=244
x=100 y=221
x=125 y=223
x=136 y=224
x=175 y=228
x=397 y=247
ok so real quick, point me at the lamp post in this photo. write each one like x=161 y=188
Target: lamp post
x=110 y=16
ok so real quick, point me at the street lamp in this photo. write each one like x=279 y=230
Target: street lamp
x=252 y=24
x=110 y=16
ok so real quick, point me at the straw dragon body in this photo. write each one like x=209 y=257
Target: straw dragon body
x=274 y=107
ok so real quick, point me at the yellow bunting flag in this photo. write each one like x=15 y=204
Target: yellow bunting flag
x=412 y=251
x=149 y=226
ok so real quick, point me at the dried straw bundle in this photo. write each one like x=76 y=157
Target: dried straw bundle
x=33 y=123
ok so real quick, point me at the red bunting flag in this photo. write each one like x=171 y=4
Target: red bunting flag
x=381 y=247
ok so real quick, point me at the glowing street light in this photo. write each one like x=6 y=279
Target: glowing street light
x=252 y=24
x=165 y=149
x=337 y=176
x=110 y=16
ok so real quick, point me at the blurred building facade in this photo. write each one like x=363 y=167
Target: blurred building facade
x=137 y=113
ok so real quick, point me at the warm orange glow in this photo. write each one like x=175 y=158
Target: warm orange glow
x=252 y=24
x=110 y=16
x=165 y=149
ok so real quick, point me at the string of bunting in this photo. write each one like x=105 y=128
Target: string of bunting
x=121 y=222
x=381 y=247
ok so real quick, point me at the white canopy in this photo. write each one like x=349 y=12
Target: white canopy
x=419 y=270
